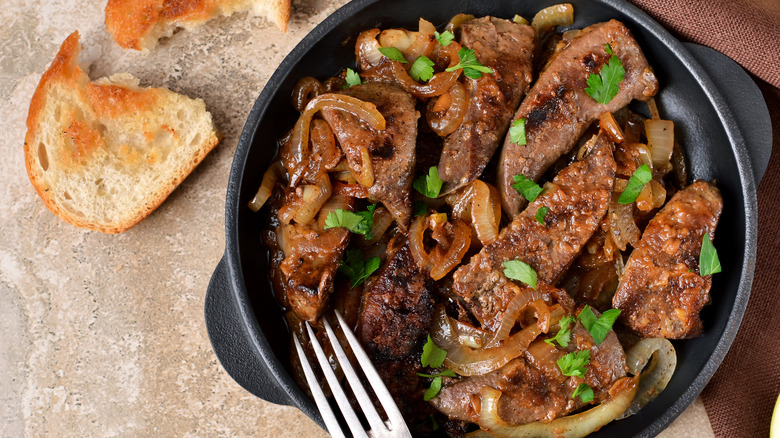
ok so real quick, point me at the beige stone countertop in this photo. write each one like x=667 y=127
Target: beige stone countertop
x=104 y=335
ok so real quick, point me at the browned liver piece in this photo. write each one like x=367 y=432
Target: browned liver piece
x=393 y=323
x=533 y=387
x=508 y=49
x=558 y=110
x=576 y=203
x=392 y=150
x=661 y=291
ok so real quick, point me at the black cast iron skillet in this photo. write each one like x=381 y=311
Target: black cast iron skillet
x=721 y=121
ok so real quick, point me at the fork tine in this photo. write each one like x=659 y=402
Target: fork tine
x=398 y=425
x=331 y=423
x=374 y=421
x=338 y=393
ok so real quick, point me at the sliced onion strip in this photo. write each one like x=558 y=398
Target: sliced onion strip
x=660 y=138
x=445 y=113
x=522 y=298
x=654 y=377
x=313 y=198
x=556 y=15
x=267 y=185
x=485 y=212
x=610 y=126
x=570 y=426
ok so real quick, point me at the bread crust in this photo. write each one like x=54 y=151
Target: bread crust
x=64 y=71
x=138 y=24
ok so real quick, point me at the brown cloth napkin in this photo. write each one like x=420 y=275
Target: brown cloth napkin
x=740 y=397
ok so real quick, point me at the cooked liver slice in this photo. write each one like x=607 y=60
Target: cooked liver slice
x=392 y=150
x=536 y=390
x=558 y=110
x=393 y=323
x=575 y=211
x=508 y=49
x=661 y=292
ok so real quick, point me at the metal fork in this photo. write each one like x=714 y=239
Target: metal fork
x=393 y=427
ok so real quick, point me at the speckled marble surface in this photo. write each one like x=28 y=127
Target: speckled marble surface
x=104 y=335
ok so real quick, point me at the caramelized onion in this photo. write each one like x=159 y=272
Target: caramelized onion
x=445 y=113
x=364 y=110
x=457 y=20
x=267 y=186
x=654 y=377
x=556 y=15
x=578 y=425
x=367 y=49
x=313 y=198
x=610 y=126
x=411 y=44
x=660 y=137
x=485 y=211
x=382 y=221
x=452 y=243
x=623 y=228
x=366 y=175
x=523 y=297
x=471 y=362
x=305 y=90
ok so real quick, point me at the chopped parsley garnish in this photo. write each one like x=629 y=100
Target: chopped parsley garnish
x=584 y=391
x=604 y=86
x=444 y=38
x=573 y=364
x=429 y=185
x=394 y=54
x=529 y=189
x=470 y=65
x=352 y=78
x=541 y=213
x=433 y=390
x=598 y=327
x=357 y=269
x=517 y=132
x=420 y=208
x=448 y=372
x=708 y=257
x=636 y=183
x=422 y=69
x=360 y=222
x=520 y=271
x=563 y=337
x=432 y=355
x=608 y=48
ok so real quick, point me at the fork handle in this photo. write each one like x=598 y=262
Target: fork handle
x=232 y=344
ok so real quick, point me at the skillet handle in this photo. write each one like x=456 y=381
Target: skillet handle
x=235 y=351
x=744 y=98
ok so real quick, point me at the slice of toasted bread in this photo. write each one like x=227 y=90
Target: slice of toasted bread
x=103 y=155
x=138 y=24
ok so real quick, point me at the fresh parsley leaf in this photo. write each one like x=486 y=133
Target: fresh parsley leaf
x=470 y=65
x=444 y=38
x=517 y=132
x=352 y=78
x=584 y=391
x=636 y=183
x=420 y=208
x=563 y=337
x=360 y=222
x=541 y=213
x=429 y=185
x=394 y=54
x=604 y=86
x=422 y=69
x=708 y=257
x=448 y=372
x=432 y=355
x=433 y=390
x=573 y=364
x=521 y=271
x=357 y=269
x=598 y=327
x=529 y=189
x=608 y=48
